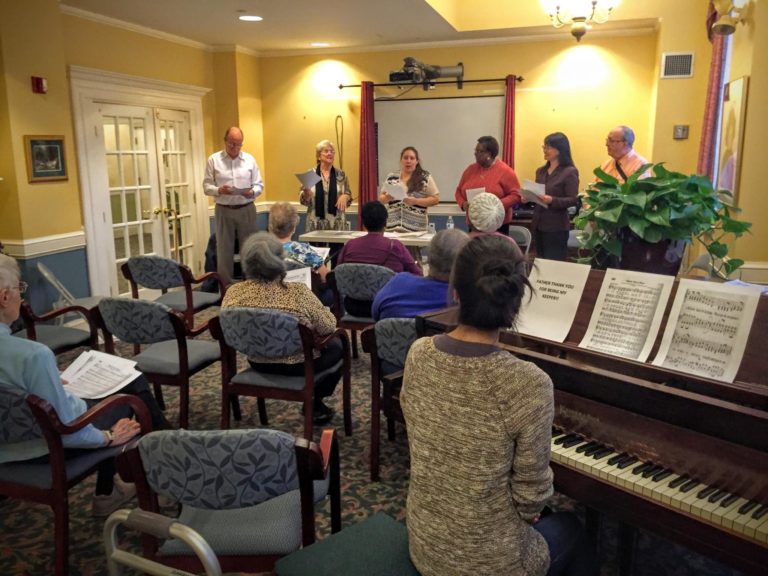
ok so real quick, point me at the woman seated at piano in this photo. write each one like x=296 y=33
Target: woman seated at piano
x=408 y=193
x=479 y=429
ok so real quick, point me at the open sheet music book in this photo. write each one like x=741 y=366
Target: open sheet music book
x=96 y=374
x=533 y=192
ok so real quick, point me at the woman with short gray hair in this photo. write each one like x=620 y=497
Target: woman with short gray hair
x=262 y=259
x=283 y=219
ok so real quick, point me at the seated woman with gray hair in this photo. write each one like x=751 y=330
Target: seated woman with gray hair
x=283 y=220
x=264 y=267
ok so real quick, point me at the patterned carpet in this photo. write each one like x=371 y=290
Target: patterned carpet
x=26 y=530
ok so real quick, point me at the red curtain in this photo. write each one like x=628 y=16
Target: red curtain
x=368 y=177
x=706 y=163
x=508 y=145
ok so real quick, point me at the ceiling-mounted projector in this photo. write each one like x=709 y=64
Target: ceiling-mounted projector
x=415 y=72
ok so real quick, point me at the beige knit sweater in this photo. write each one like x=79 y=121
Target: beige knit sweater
x=479 y=428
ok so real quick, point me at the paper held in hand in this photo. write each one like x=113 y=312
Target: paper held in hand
x=308 y=178
x=472 y=192
x=95 y=374
x=396 y=190
x=533 y=192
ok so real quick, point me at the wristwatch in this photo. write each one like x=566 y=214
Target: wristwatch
x=109 y=437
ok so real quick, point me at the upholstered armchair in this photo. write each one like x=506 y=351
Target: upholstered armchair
x=171 y=357
x=267 y=333
x=388 y=342
x=360 y=282
x=58 y=338
x=250 y=494
x=158 y=273
x=31 y=420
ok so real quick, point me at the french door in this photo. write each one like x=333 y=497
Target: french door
x=150 y=206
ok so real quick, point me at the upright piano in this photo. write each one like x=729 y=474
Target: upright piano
x=679 y=455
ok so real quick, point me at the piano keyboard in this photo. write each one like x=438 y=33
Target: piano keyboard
x=654 y=482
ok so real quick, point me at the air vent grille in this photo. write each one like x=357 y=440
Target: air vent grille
x=677 y=65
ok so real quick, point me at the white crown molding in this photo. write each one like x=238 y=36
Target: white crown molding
x=102 y=77
x=235 y=48
x=554 y=35
x=98 y=18
x=43 y=245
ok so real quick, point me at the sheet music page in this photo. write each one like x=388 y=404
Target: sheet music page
x=308 y=178
x=557 y=286
x=323 y=251
x=95 y=374
x=628 y=313
x=396 y=190
x=300 y=275
x=708 y=328
x=533 y=192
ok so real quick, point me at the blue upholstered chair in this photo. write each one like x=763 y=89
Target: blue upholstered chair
x=171 y=358
x=158 y=273
x=360 y=282
x=58 y=338
x=388 y=342
x=267 y=333
x=28 y=418
x=249 y=493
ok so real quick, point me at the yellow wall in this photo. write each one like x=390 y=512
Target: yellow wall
x=35 y=114
x=750 y=42
x=582 y=90
x=10 y=221
x=249 y=105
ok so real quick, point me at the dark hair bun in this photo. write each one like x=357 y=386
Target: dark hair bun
x=499 y=281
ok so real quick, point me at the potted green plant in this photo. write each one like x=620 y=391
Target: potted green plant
x=652 y=213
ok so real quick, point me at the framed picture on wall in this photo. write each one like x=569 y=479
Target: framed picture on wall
x=45 y=158
x=732 y=116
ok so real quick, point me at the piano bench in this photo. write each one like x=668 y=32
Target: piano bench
x=377 y=546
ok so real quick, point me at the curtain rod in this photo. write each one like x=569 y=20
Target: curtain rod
x=431 y=82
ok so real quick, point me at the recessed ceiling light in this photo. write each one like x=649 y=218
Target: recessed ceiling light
x=320 y=44
x=246 y=18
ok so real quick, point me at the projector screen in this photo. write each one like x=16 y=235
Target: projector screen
x=443 y=130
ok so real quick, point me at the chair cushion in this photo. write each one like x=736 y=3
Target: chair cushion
x=163 y=357
x=57 y=337
x=37 y=473
x=253 y=378
x=178 y=300
x=377 y=546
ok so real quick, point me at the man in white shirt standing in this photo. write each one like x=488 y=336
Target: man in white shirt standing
x=233 y=178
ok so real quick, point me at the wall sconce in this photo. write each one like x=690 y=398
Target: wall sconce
x=580 y=14
x=728 y=16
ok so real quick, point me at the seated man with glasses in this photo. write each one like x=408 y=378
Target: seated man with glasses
x=30 y=367
x=623 y=161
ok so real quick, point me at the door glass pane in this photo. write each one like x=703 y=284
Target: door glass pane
x=134 y=241
x=148 y=243
x=139 y=134
x=120 y=244
x=110 y=138
x=131 y=213
x=115 y=202
x=122 y=284
x=142 y=166
x=113 y=171
x=129 y=170
x=145 y=199
x=124 y=134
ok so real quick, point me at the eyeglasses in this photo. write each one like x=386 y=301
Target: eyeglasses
x=22 y=287
x=612 y=141
x=234 y=144
x=481 y=151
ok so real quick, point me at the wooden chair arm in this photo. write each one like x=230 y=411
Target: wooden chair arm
x=53 y=314
x=48 y=418
x=368 y=339
x=205 y=276
x=322 y=341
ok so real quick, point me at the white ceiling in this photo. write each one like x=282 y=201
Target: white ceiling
x=292 y=25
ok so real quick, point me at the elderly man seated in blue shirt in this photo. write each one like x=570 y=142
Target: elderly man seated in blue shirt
x=408 y=295
x=30 y=367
